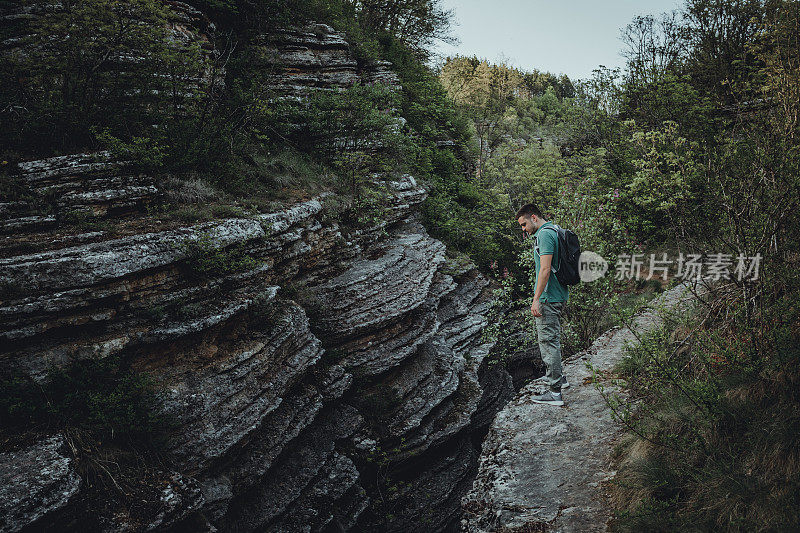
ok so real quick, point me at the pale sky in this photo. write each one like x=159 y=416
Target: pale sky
x=567 y=36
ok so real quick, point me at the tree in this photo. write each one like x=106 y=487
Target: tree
x=654 y=47
x=778 y=50
x=416 y=23
x=102 y=63
x=720 y=32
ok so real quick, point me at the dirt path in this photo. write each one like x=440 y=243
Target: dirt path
x=542 y=467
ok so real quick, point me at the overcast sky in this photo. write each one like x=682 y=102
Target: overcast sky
x=567 y=36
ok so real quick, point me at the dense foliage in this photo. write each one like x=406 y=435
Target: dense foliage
x=693 y=148
x=712 y=95
x=105 y=398
x=100 y=66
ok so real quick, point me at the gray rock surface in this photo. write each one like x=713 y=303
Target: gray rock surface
x=75 y=187
x=103 y=261
x=36 y=484
x=253 y=377
x=293 y=486
x=374 y=311
x=315 y=57
x=543 y=466
x=270 y=370
x=221 y=399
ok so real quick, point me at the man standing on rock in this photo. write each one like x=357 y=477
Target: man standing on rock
x=549 y=299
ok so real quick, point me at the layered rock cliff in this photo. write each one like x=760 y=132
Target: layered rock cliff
x=335 y=380
x=282 y=398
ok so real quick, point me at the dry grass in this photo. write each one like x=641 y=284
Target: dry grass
x=716 y=446
x=191 y=190
x=745 y=476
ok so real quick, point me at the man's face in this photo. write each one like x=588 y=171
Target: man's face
x=527 y=225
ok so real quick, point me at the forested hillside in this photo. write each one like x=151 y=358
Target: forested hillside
x=691 y=150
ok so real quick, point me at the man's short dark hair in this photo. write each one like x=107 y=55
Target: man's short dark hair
x=528 y=210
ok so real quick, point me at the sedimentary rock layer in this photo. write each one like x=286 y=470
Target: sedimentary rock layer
x=305 y=350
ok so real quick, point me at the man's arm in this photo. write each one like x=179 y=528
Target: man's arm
x=545 y=261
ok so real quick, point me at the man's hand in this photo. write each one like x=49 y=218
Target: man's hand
x=536 y=308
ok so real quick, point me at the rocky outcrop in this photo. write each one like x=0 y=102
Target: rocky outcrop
x=314 y=57
x=321 y=377
x=68 y=188
x=372 y=312
x=289 y=374
x=38 y=485
x=542 y=467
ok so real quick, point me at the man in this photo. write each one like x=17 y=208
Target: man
x=549 y=299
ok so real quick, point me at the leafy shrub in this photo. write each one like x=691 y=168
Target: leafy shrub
x=355 y=130
x=98 y=63
x=713 y=423
x=205 y=260
x=103 y=396
x=500 y=322
x=142 y=151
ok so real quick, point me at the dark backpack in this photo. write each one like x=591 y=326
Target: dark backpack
x=569 y=254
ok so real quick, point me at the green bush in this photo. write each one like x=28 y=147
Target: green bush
x=205 y=260
x=142 y=151
x=105 y=397
x=500 y=322
x=353 y=129
x=713 y=423
x=98 y=63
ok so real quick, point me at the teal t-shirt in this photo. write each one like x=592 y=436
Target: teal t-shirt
x=546 y=242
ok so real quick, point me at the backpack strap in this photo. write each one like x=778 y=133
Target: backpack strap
x=555 y=228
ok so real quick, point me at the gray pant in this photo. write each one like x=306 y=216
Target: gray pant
x=548 y=328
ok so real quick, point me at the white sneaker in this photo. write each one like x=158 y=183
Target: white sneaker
x=549 y=397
